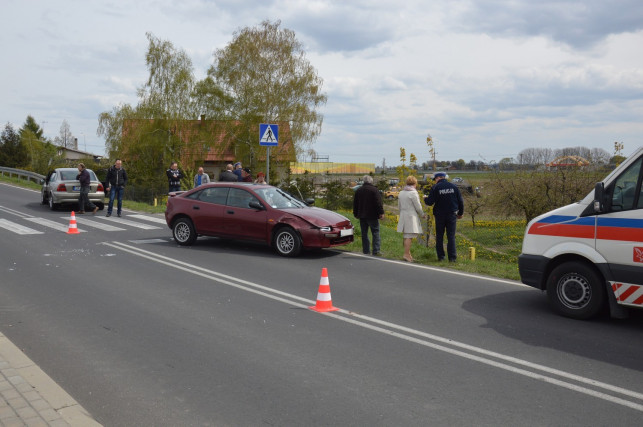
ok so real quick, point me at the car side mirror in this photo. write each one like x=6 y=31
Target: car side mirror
x=599 y=197
x=256 y=205
x=42 y=181
x=310 y=201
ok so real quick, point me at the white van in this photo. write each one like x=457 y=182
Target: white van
x=589 y=255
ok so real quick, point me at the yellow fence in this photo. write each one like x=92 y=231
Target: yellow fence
x=332 y=168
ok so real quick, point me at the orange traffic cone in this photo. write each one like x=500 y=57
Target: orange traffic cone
x=324 y=302
x=73 y=228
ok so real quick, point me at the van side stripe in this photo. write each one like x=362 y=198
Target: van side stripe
x=620 y=229
x=563 y=230
x=620 y=233
x=620 y=222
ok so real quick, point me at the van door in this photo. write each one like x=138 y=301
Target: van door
x=619 y=233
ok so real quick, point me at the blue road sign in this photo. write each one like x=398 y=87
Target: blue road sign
x=268 y=135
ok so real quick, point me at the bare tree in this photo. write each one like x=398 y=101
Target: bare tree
x=66 y=139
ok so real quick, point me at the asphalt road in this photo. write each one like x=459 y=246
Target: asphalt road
x=141 y=331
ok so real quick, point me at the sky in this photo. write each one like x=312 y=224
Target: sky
x=486 y=79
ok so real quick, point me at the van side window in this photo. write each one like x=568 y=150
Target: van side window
x=626 y=190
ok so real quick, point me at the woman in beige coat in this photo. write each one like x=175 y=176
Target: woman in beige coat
x=410 y=213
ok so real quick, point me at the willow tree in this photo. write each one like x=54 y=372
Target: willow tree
x=152 y=134
x=263 y=76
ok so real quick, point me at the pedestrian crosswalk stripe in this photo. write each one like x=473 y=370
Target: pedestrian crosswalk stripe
x=17 y=228
x=132 y=223
x=97 y=224
x=51 y=224
x=149 y=218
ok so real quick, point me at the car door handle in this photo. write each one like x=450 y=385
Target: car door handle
x=196 y=207
x=230 y=212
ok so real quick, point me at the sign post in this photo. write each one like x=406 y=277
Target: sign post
x=268 y=137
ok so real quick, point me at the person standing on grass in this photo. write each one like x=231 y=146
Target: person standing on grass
x=410 y=212
x=367 y=206
x=174 y=176
x=116 y=181
x=449 y=207
x=238 y=170
x=201 y=178
x=227 y=175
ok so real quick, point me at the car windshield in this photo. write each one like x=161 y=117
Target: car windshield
x=279 y=199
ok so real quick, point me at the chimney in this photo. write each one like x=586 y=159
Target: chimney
x=202 y=119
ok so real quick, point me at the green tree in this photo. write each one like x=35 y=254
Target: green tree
x=33 y=126
x=263 y=76
x=155 y=132
x=13 y=153
x=42 y=156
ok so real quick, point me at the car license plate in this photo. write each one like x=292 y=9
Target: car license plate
x=347 y=232
x=75 y=188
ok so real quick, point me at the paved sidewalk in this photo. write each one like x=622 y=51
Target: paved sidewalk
x=28 y=397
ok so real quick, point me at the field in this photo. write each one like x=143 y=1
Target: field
x=497 y=245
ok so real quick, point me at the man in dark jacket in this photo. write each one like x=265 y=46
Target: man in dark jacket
x=174 y=176
x=449 y=207
x=227 y=175
x=367 y=206
x=116 y=181
x=85 y=181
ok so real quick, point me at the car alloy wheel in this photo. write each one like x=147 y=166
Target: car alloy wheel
x=183 y=231
x=287 y=242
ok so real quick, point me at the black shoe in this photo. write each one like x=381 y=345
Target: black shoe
x=440 y=259
x=108 y=214
x=452 y=260
x=119 y=215
x=81 y=212
x=377 y=253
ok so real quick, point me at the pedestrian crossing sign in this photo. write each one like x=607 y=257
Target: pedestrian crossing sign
x=268 y=135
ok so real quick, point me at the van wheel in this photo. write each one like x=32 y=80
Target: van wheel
x=576 y=290
x=286 y=242
x=183 y=232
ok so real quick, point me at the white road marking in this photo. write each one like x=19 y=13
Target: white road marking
x=52 y=224
x=94 y=223
x=131 y=223
x=150 y=241
x=149 y=218
x=17 y=228
x=13 y=212
x=461 y=349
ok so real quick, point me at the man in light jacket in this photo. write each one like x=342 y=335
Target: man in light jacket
x=201 y=178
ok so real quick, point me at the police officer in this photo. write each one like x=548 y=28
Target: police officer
x=174 y=176
x=449 y=207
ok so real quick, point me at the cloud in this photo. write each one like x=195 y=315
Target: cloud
x=578 y=24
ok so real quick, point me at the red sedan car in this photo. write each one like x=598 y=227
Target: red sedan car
x=255 y=212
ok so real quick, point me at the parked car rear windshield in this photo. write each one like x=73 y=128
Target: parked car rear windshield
x=71 y=175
